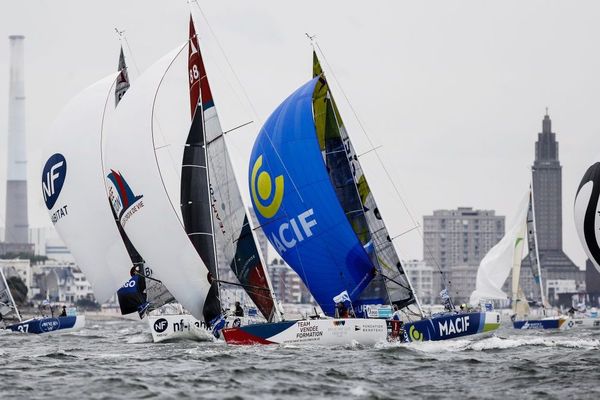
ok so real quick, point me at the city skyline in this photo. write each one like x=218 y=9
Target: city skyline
x=457 y=121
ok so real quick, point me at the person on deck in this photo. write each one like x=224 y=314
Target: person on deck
x=397 y=314
x=63 y=312
x=239 y=311
x=342 y=311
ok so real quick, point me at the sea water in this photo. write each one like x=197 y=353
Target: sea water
x=117 y=359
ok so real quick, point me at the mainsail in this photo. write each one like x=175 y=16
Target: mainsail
x=7 y=303
x=74 y=192
x=148 y=213
x=587 y=213
x=353 y=191
x=212 y=208
x=503 y=258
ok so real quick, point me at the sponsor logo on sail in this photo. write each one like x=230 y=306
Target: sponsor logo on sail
x=266 y=200
x=122 y=199
x=53 y=179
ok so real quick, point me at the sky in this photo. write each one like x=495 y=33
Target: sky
x=452 y=93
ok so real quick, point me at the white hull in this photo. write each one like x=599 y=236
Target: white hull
x=186 y=327
x=587 y=322
x=327 y=332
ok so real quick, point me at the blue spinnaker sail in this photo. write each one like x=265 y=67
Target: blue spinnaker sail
x=298 y=209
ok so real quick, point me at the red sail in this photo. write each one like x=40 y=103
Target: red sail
x=199 y=87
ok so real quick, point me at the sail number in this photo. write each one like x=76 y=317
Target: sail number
x=194 y=74
x=23 y=328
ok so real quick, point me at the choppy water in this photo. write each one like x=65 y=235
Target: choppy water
x=117 y=359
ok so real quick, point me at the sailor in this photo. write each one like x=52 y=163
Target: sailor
x=342 y=311
x=239 y=311
x=64 y=312
x=397 y=314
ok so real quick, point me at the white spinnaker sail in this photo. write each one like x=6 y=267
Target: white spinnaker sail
x=499 y=261
x=73 y=189
x=147 y=213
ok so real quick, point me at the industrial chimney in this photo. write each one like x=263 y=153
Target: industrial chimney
x=17 y=224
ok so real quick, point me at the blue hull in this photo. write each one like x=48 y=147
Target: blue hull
x=557 y=323
x=50 y=324
x=452 y=326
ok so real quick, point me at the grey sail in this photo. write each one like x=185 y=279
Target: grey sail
x=358 y=201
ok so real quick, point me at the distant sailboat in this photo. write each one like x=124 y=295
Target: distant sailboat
x=8 y=306
x=506 y=257
x=314 y=204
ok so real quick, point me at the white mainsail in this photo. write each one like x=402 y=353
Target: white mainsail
x=74 y=192
x=145 y=209
x=505 y=256
x=587 y=213
x=7 y=303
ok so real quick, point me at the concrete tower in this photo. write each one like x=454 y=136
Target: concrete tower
x=17 y=224
x=547 y=189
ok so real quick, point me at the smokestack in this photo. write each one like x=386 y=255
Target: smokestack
x=17 y=224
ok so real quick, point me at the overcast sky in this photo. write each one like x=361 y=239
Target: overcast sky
x=453 y=91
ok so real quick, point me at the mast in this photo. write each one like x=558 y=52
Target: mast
x=233 y=239
x=537 y=253
x=195 y=185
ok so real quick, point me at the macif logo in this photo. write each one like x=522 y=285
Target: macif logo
x=161 y=325
x=53 y=178
x=261 y=186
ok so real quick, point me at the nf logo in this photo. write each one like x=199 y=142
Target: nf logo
x=53 y=178
x=161 y=325
x=261 y=187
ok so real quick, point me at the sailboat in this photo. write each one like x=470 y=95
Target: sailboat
x=506 y=257
x=314 y=204
x=587 y=215
x=183 y=234
x=8 y=306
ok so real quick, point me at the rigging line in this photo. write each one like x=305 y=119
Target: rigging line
x=237 y=127
x=242 y=285
x=374 y=148
x=405 y=232
x=147 y=277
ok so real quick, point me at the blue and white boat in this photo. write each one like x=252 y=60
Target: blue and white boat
x=33 y=325
x=49 y=324
x=315 y=206
x=506 y=257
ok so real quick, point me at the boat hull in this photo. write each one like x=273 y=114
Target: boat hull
x=560 y=323
x=450 y=326
x=186 y=327
x=49 y=325
x=587 y=322
x=311 y=332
